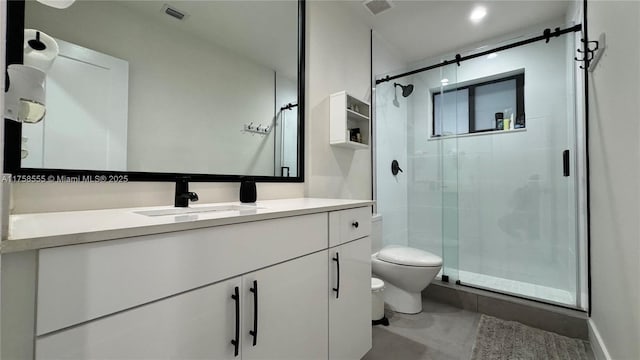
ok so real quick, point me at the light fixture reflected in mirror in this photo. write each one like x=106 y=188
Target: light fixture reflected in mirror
x=25 y=100
x=24 y=153
x=40 y=49
x=58 y=4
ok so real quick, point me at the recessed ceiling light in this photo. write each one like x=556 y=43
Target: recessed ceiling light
x=478 y=13
x=444 y=81
x=492 y=56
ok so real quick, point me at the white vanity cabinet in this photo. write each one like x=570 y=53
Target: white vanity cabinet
x=198 y=324
x=350 y=300
x=350 y=283
x=172 y=295
x=201 y=324
x=292 y=310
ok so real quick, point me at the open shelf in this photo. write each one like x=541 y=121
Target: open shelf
x=351 y=113
x=351 y=145
x=349 y=116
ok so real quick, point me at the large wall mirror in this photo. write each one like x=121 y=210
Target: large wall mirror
x=211 y=90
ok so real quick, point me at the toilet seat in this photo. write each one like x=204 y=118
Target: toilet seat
x=402 y=255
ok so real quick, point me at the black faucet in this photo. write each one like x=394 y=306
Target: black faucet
x=182 y=193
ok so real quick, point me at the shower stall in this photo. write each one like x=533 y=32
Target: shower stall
x=491 y=151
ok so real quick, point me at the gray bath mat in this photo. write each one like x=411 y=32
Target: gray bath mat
x=500 y=339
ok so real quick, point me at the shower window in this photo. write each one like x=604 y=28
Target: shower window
x=472 y=108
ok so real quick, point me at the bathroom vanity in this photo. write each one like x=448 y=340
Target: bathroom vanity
x=284 y=279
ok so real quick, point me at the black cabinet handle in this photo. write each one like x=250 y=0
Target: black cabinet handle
x=565 y=163
x=254 y=332
x=355 y=224
x=236 y=342
x=337 y=288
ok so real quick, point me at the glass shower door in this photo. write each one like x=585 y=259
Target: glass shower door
x=435 y=110
x=517 y=187
x=450 y=112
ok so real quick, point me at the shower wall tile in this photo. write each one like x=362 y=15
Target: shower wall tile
x=390 y=144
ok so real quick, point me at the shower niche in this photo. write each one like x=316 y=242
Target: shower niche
x=350 y=121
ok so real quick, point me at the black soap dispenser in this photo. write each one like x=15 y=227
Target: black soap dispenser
x=248 y=193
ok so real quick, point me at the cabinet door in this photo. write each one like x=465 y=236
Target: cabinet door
x=199 y=324
x=350 y=305
x=291 y=312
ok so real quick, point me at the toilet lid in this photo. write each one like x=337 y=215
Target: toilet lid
x=403 y=255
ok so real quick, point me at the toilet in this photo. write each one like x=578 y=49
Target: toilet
x=406 y=272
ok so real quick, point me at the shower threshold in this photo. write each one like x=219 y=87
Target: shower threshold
x=518 y=288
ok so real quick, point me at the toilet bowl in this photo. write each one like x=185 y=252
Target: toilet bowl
x=406 y=272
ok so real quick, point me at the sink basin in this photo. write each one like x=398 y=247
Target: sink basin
x=200 y=209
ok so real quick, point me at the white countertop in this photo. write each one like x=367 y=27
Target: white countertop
x=43 y=230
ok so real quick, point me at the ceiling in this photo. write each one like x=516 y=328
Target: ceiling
x=264 y=31
x=420 y=29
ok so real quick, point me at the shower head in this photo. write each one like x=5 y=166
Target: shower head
x=406 y=89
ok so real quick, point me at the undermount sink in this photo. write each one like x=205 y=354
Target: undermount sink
x=200 y=209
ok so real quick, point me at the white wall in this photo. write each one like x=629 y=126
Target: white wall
x=614 y=130
x=337 y=59
x=390 y=144
x=505 y=204
x=186 y=101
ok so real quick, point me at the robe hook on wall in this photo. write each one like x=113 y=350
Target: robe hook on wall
x=592 y=52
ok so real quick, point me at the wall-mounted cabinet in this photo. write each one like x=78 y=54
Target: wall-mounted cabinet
x=350 y=121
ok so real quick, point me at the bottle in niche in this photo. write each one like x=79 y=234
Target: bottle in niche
x=508 y=118
x=499 y=121
x=354 y=135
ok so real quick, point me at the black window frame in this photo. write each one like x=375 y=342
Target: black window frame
x=520 y=111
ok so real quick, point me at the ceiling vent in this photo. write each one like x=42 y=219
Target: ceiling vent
x=174 y=12
x=377 y=7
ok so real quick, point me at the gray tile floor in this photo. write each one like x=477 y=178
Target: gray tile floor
x=439 y=332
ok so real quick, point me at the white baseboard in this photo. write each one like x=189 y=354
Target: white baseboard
x=597 y=345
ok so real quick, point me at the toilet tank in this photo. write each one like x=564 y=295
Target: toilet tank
x=376 y=233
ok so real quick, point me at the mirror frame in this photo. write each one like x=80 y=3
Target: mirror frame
x=13 y=130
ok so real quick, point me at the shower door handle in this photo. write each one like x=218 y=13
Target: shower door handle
x=566 y=161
